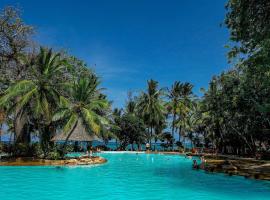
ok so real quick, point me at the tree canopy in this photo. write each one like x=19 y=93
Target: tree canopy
x=44 y=92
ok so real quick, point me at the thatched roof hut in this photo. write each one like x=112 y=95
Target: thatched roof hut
x=80 y=134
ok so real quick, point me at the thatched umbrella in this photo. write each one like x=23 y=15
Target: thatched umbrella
x=80 y=134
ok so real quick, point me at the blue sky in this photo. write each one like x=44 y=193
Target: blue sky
x=131 y=41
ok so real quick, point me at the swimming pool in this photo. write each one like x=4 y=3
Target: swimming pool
x=127 y=176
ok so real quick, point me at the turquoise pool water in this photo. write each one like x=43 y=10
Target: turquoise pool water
x=127 y=177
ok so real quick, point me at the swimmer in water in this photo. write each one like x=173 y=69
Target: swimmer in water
x=91 y=153
x=195 y=164
x=202 y=159
x=58 y=168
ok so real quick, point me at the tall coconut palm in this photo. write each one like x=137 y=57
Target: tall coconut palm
x=130 y=104
x=2 y=120
x=179 y=96
x=150 y=106
x=190 y=121
x=185 y=104
x=182 y=111
x=116 y=119
x=174 y=95
x=186 y=90
x=85 y=107
x=38 y=94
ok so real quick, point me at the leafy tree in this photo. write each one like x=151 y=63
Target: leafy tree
x=249 y=24
x=235 y=107
x=174 y=95
x=151 y=107
x=15 y=46
x=131 y=104
x=181 y=106
x=131 y=130
x=36 y=97
x=85 y=104
x=167 y=138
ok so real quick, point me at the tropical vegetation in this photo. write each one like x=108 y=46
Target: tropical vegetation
x=44 y=92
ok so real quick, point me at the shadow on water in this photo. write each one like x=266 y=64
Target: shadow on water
x=186 y=177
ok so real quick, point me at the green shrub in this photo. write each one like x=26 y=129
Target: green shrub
x=54 y=155
x=179 y=144
x=21 y=149
x=37 y=150
x=69 y=148
x=165 y=146
x=1 y=148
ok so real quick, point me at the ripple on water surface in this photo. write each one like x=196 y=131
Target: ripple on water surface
x=127 y=176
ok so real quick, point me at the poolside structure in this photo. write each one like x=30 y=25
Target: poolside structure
x=80 y=134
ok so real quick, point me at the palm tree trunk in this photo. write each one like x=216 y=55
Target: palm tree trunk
x=148 y=130
x=10 y=138
x=184 y=141
x=65 y=144
x=151 y=133
x=1 y=126
x=173 y=122
x=20 y=121
x=155 y=143
x=14 y=138
x=180 y=128
x=139 y=146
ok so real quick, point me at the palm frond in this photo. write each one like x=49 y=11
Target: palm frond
x=16 y=90
x=63 y=102
x=25 y=99
x=70 y=123
x=90 y=118
x=60 y=114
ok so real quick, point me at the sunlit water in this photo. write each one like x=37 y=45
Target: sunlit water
x=127 y=176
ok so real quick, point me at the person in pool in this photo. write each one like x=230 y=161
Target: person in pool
x=203 y=161
x=195 y=164
x=147 y=146
x=90 y=153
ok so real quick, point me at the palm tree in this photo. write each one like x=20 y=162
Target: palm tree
x=185 y=105
x=131 y=104
x=159 y=127
x=186 y=90
x=86 y=107
x=37 y=95
x=179 y=96
x=115 y=123
x=2 y=120
x=174 y=95
x=181 y=122
x=166 y=136
x=150 y=106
